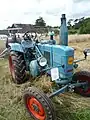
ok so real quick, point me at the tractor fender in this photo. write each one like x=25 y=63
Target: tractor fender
x=16 y=47
x=34 y=68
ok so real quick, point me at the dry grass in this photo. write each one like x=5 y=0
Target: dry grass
x=68 y=106
x=79 y=38
x=76 y=38
x=2 y=45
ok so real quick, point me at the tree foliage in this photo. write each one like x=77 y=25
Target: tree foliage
x=81 y=26
x=40 y=22
x=85 y=27
x=69 y=23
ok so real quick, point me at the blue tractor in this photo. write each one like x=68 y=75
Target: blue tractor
x=47 y=57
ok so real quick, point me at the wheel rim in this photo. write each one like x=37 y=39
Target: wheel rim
x=84 y=78
x=11 y=66
x=36 y=108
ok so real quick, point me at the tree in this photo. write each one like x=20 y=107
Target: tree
x=41 y=25
x=85 y=27
x=78 y=23
x=40 y=22
x=76 y=20
x=69 y=23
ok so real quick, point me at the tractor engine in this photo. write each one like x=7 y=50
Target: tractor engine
x=59 y=56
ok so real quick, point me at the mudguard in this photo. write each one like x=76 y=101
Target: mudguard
x=16 y=47
x=34 y=68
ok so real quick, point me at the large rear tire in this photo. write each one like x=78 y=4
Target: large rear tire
x=17 y=67
x=82 y=76
x=38 y=105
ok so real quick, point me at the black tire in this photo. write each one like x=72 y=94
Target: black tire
x=47 y=107
x=17 y=67
x=82 y=76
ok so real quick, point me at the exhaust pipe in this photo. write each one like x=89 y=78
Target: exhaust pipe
x=63 y=31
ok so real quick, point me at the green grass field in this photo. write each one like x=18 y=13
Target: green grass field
x=68 y=106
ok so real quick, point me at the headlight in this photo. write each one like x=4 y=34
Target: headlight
x=70 y=60
x=42 y=61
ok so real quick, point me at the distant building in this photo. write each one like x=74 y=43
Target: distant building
x=29 y=27
x=25 y=28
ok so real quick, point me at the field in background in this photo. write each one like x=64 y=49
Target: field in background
x=76 y=38
x=68 y=106
x=79 y=38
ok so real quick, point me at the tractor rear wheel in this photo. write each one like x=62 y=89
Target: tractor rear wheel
x=38 y=105
x=82 y=76
x=17 y=67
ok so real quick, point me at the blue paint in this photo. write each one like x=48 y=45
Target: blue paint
x=46 y=48
x=34 y=68
x=27 y=44
x=56 y=55
x=59 y=56
x=16 y=47
x=21 y=47
x=63 y=31
x=61 y=90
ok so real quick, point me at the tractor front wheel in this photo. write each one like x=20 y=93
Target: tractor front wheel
x=17 y=67
x=38 y=105
x=82 y=76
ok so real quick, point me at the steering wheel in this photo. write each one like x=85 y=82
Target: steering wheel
x=30 y=36
x=27 y=36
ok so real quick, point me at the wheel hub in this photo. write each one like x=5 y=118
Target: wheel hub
x=35 y=107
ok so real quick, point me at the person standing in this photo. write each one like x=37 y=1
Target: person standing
x=51 y=34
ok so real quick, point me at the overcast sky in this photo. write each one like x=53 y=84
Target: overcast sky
x=27 y=11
